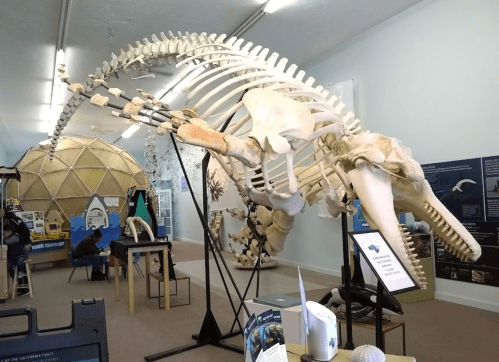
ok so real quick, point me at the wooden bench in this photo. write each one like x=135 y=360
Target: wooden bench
x=160 y=279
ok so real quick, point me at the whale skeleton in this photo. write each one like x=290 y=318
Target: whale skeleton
x=302 y=146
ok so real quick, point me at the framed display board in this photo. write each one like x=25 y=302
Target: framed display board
x=469 y=189
x=165 y=211
x=383 y=261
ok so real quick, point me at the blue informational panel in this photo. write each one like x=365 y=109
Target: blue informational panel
x=359 y=221
x=47 y=245
x=490 y=167
x=78 y=231
x=458 y=185
x=470 y=190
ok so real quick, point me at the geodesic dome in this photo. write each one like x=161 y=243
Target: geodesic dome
x=81 y=166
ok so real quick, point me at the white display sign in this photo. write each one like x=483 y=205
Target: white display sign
x=383 y=261
x=33 y=219
x=112 y=201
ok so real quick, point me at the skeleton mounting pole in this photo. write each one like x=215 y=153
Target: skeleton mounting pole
x=210 y=332
x=346 y=275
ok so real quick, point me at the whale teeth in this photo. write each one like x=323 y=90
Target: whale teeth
x=418 y=267
x=433 y=214
x=445 y=228
x=455 y=237
x=449 y=233
x=426 y=205
x=459 y=242
x=441 y=223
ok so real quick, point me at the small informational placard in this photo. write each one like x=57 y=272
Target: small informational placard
x=112 y=201
x=383 y=261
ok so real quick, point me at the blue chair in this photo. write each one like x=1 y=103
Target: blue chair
x=77 y=263
x=135 y=261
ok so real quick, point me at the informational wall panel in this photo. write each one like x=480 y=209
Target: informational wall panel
x=470 y=190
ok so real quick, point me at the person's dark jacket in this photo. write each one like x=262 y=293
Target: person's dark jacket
x=15 y=247
x=86 y=247
x=20 y=227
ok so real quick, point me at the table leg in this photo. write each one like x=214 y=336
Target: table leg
x=148 y=269
x=166 y=278
x=131 y=306
x=339 y=329
x=403 y=337
x=116 y=278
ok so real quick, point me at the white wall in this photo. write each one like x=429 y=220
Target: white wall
x=430 y=77
x=8 y=157
x=3 y=156
x=314 y=243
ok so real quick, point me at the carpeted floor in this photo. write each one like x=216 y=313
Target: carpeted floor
x=185 y=251
x=436 y=330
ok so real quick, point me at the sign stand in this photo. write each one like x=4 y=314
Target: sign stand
x=380 y=343
x=385 y=264
x=347 y=280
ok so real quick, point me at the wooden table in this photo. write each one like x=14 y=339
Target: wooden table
x=295 y=350
x=371 y=324
x=128 y=245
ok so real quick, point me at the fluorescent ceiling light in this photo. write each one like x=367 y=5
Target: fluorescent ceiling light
x=130 y=131
x=57 y=93
x=274 y=5
x=174 y=88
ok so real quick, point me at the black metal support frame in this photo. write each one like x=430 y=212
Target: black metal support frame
x=256 y=268
x=210 y=332
x=380 y=342
x=347 y=279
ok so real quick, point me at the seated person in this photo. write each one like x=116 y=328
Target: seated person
x=87 y=249
x=16 y=254
x=19 y=227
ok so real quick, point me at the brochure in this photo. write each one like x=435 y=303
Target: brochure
x=265 y=337
x=253 y=340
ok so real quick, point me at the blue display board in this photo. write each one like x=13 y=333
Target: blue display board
x=458 y=185
x=470 y=190
x=47 y=245
x=78 y=231
x=359 y=221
